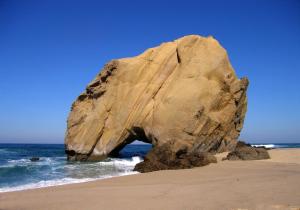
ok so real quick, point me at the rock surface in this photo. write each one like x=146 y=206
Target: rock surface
x=185 y=92
x=164 y=158
x=245 y=151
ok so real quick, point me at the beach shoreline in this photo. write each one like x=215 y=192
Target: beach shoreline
x=264 y=184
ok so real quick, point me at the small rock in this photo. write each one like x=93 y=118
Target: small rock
x=245 y=151
x=33 y=159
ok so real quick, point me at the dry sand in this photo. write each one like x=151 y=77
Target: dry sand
x=267 y=184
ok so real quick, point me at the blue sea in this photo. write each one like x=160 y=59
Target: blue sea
x=17 y=172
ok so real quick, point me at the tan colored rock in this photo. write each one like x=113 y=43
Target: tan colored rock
x=184 y=92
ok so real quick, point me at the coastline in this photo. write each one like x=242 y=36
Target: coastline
x=263 y=184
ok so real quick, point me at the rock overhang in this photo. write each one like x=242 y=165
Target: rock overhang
x=185 y=92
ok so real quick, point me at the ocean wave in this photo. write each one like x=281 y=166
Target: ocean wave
x=27 y=161
x=269 y=146
x=126 y=162
x=4 y=151
x=69 y=173
x=125 y=165
x=14 y=163
x=58 y=182
x=41 y=184
x=22 y=160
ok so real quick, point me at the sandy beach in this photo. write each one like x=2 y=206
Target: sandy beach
x=265 y=184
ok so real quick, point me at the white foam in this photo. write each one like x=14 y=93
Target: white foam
x=126 y=166
x=13 y=163
x=264 y=145
x=116 y=161
x=25 y=162
x=132 y=162
x=41 y=184
x=58 y=182
x=19 y=161
x=122 y=164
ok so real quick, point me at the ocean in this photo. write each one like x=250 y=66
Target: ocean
x=18 y=172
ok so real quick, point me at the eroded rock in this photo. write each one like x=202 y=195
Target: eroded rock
x=183 y=91
x=245 y=151
x=165 y=158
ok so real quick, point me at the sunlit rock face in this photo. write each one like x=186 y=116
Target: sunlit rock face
x=184 y=93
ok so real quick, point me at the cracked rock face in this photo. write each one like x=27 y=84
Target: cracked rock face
x=183 y=92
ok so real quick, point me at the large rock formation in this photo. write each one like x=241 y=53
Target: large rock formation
x=184 y=92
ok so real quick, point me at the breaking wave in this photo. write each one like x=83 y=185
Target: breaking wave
x=278 y=145
x=269 y=146
x=18 y=172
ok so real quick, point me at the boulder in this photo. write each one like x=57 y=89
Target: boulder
x=245 y=151
x=164 y=158
x=185 y=92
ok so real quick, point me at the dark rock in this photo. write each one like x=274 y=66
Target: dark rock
x=164 y=158
x=33 y=159
x=245 y=151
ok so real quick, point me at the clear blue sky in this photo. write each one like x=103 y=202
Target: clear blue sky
x=50 y=50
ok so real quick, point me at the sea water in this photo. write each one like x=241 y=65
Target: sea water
x=17 y=172
x=277 y=145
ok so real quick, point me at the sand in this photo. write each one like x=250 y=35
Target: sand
x=265 y=184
